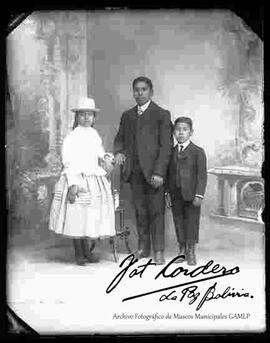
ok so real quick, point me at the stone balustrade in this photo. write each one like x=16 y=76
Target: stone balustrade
x=240 y=192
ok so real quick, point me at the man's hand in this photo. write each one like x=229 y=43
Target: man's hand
x=156 y=181
x=120 y=158
x=72 y=192
x=197 y=201
x=109 y=162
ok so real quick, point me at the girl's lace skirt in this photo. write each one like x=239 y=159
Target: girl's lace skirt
x=92 y=215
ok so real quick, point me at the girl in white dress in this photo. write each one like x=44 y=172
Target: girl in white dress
x=83 y=205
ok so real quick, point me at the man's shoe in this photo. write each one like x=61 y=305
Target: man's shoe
x=141 y=254
x=191 y=257
x=181 y=253
x=159 y=257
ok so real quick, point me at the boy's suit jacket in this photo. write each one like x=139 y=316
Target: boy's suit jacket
x=152 y=135
x=188 y=171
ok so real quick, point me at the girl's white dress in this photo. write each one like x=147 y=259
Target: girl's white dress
x=92 y=215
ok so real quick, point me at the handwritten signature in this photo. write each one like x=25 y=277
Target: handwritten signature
x=212 y=270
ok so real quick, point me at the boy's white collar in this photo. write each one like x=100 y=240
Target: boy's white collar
x=185 y=144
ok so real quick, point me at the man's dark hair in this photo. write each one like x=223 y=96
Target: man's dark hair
x=143 y=79
x=186 y=120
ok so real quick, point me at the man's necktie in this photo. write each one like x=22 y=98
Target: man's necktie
x=140 y=111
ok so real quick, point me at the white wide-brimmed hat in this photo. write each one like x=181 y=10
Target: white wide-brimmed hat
x=87 y=104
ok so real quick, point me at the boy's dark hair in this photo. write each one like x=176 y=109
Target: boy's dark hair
x=143 y=79
x=186 y=120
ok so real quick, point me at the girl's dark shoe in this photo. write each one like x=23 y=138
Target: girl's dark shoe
x=91 y=258
x=87 y=254
x=80 y=260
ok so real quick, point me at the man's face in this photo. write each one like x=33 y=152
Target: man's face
x=182 y=132
x=86 y=118
x=142 y=92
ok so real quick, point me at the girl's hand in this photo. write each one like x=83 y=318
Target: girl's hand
x=109 y=158
x=72 y=193
x=108 y=163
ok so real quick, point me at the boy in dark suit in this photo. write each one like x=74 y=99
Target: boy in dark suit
x=187 y=178
x=143 y=147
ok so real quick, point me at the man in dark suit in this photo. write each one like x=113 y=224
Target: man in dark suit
x=143 y=146
x=187 y=178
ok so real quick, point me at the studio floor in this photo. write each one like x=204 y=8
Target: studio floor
x=54 y=296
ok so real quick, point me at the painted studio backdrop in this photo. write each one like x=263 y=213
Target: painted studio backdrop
x=203 y=64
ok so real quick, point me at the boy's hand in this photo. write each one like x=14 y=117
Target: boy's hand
x=72 y=192
x=197 y=201
x=156 y=181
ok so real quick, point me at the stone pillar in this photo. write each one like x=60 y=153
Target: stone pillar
x=52 y=155
x=230 y=197
x=70 y=73
x=90 y=31
x=63 y=67
x=76 y=63
x=233 y=208
x=221 y=185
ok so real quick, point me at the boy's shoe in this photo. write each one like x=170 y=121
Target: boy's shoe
x=191 y=257
x=181 y=253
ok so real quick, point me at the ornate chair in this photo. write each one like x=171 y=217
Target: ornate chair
x=122 y=231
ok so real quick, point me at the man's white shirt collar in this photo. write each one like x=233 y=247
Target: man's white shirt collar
x=144 y=107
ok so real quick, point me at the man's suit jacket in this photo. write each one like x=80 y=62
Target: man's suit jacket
x=151 y=132
x=188 y=170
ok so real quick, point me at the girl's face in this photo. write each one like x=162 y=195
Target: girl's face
x=86 y=118
x=182 y=132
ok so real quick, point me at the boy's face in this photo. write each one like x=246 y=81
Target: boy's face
x=142 y=92
x=182 y=132
x=86 y=118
